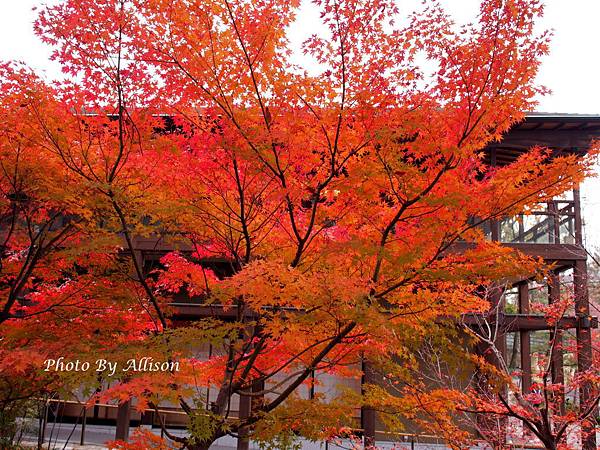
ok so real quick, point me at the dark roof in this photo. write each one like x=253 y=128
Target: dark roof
x=558 y=121
x=563 y=133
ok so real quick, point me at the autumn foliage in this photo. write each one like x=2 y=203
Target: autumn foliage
x=309 y=211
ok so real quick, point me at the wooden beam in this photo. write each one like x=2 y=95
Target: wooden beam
x=529 y=322
x=563 y=254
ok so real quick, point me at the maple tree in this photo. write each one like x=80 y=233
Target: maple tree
x=313 y=209
x=65 y=289
x=68 y=275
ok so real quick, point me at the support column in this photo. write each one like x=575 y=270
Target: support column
x=249 y=403
x=147 y=419
x=554 y=226
x=584 y=335
x=584 y=348
x=258 y=401
x=367 y=415
x=500 y=339
x=495 y=428
x=83 y=424
x=525 y=342
x=243 y=442
x=123 y=417
x=495 y=230
x=556 y=363
x=43 y=424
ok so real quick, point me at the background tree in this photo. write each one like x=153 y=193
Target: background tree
x=65 y=291
x=552 y=413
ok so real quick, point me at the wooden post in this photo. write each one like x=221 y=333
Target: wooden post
x=495 y=230
x=210 y=350
x=584 y=335
x=257 y=400
x=558 y=375
x=494 y=224
x=147 y=418
x=83 y=421
x=367 y=415
x=249 y=403
x=584 y=346
x=497 y=303
x=243 y=443
x=43 y=424
x=123 y=417
x=525 y=342
x=554 y=227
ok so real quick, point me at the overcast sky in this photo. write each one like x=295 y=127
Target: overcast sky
x=570 y=71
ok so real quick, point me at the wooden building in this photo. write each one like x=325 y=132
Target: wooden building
x=554 y=232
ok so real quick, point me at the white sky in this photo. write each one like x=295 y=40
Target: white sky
x=570 y=71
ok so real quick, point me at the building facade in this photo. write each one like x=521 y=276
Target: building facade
x=553 y=232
